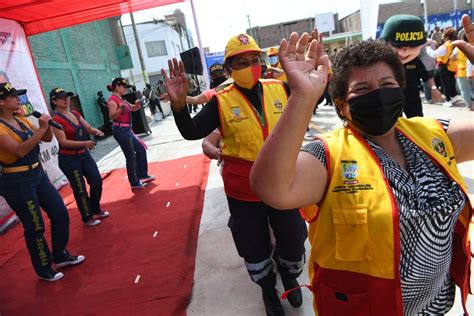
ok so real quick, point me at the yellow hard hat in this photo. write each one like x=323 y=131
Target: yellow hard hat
x=272 y=51
x=241 y=43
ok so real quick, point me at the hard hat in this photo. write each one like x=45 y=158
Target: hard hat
x=272 y=51
x=241 y=43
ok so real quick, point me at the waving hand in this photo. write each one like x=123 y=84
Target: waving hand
x=305 y=64
x=177 y=85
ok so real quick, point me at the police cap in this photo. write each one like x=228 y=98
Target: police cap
x=404 y=30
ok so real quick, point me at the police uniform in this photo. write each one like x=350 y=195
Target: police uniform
x=77 y=163
x=408 y=31
x=26 y=188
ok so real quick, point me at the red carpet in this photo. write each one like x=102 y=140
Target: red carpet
x=118 y=250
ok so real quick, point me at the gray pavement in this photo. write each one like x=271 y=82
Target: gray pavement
x=222 y=285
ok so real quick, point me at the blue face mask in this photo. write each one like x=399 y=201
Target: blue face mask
x=273 y=60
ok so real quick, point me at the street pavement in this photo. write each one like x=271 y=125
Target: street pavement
x=222 y=285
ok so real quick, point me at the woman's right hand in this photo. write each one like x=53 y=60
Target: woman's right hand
x=89 y=144
x=43 y=122
x=306 y=64
x=177 y=85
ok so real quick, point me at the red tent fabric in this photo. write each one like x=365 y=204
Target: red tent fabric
x=38 y=16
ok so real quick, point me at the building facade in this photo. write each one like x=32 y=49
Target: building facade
x=82 y=59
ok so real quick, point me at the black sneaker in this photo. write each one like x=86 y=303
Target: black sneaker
x=69 y=260
x=295 y=297
x=272 y=304
x=50 y=275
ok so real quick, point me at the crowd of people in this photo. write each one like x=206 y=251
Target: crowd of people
x=387 y=209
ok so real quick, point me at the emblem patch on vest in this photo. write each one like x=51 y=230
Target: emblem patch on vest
x=439 y=147
x=236 y=117
x=278 y=105
x=350 y=171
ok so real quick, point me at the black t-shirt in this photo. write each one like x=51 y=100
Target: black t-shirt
x=414 y=71
x=207 y=119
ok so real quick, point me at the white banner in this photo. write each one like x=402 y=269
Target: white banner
x=17 y=67
x=369 y=14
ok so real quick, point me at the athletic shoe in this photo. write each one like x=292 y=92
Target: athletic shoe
x=69 y=260
x=103 y=214
x=92 y=222
x=457 y=99
x=139 y=185
x=147 y=179
x=51 y=275
x=448 y=104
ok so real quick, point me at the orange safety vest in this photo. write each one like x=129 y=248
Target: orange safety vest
x=244 y=130
x=354 y=231
x=444 y=60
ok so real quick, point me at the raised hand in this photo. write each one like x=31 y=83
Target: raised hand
x=177 y=85
x=305 y=64
x=467 y=48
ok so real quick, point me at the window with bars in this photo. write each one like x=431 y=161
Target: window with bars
x=156 y=48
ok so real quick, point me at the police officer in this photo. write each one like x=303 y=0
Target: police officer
x=245 y=112
x=405 y=33
x=26 y=188
x=133 y=148
x=74 y=158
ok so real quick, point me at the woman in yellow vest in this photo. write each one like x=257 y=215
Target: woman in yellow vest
x=245 y=113
x=390 y=211
x=446 y=68
x=463 y=73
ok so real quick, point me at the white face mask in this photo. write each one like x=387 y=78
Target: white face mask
x=273 y=60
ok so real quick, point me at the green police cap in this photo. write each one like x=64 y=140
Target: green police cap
x=404 y=30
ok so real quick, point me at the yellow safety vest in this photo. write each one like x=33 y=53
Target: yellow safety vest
x=354 y=231
x=461 y=69
x=282 y=78
x=451 y=64
x=242 y=128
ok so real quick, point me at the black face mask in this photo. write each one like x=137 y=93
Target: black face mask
x=217 y=81
x=375 y=113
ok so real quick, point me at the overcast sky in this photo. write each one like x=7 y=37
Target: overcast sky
x=216 y=28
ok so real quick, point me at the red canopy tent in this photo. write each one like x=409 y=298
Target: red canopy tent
x=38 y=16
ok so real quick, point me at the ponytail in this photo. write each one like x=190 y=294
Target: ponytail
x=110 y=88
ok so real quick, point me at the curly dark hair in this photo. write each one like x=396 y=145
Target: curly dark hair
x=361 y=54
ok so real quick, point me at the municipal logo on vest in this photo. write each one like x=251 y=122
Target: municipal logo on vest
x=236 y=117
x=440 y=147
x=350 y=171
x=278 y=105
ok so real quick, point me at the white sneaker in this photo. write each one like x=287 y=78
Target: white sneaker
x=456 y=99
x=448 y=104
x=92 y=222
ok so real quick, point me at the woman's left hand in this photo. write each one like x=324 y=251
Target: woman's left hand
x=98 y=132
x=305 y=64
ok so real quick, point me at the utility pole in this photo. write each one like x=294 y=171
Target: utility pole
x=250 y=27
x=425 y=12
x=139 y=49
x=455 y=9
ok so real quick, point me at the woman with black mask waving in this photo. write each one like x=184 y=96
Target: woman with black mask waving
x=389 y=234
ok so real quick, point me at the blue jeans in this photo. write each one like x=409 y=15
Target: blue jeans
x=466 y=86
x=135 y=154
x=75 y=168
x=26 y=192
